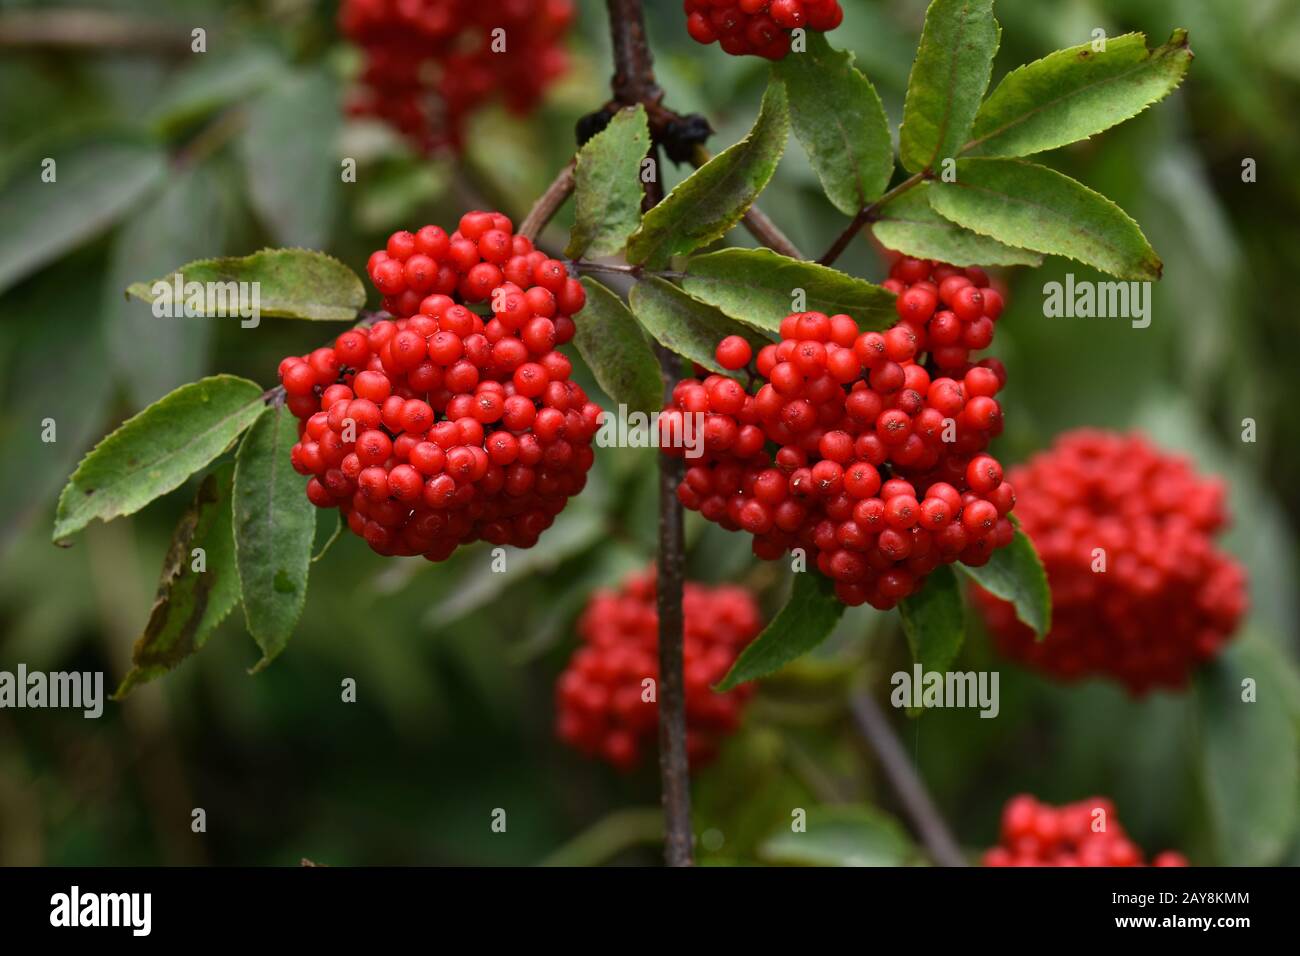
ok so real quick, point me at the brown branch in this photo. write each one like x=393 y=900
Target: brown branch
x=868 y=214
x=634 y=82
x=549 y=203
x=674 y=764
x=926 y=819
x=93 y=30
x=634 y=72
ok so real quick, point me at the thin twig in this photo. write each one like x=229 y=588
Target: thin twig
x=907 y=783
x=756 y=222
x=768 y=233
x=549 y=203
x=868 y=214
x=618 y=268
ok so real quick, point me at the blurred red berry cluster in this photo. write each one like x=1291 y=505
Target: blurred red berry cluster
x=1086 y=833
x=430 y=63
x=1126 y=533
x=605 y=707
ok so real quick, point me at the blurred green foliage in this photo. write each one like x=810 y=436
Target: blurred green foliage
x=240 y=148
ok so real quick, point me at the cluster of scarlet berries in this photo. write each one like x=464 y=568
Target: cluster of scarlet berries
x=430 y=63
x=606 y=704
x=439 y=428
x=760 y=27
x=1086 y=833
x=1139 y=591
x=879 y=468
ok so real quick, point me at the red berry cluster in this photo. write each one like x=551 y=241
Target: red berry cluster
x=1166 y=599
x=440 y=428
x=430 y=63
x=879 y=470
x=600 y=696
x=1036 y=834
x=761 y=27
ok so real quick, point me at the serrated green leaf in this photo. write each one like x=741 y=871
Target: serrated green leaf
x=909 y=225
x=291 y=283
x=952 y=69
x=841 y=836
x=291 y=158
x=711 y=200
x=806 y=620
x=607 y=189
x=154 y=452
x=1033 y=207
x=1015 y=573
x=934 y=620
x=1077 y=92
x=95 y=184
x=614 y=346
x=1249 y=755
x=275 y=527
x=838 y=118
x=758 y=287
x=684 y=325
x=190 y=603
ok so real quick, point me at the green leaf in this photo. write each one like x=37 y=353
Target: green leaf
x=1015 y=573
x=1033 y=207
x=951 y=72
x=153 y=355
x=607 y=190
x=275 y=527
x=684 y=325
x=289 y=148
x=95 y=184
x=934 y=620
x=1249 y=754
x=154 y=452
x=806 y=620
x=190 y=603
x=758 y=287
x=613 y=344
x=909 y=225
x=291 y=284
x=711 y=200
x=838 y=118
x=214 y=81
x=1077 y=92
x=841 y=836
